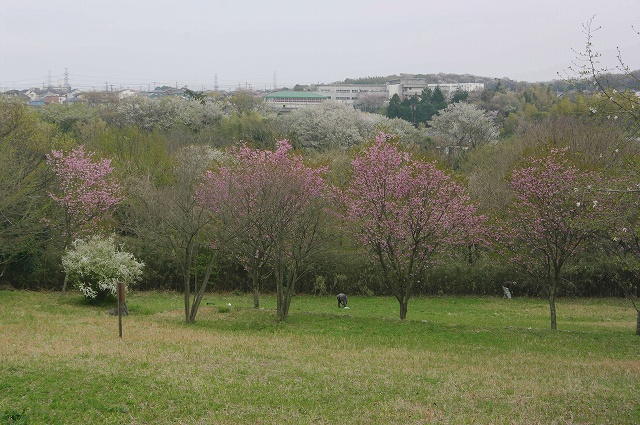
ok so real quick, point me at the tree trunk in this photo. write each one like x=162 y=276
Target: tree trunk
x=404 y=304
x=553 y=285
x=198 y=296
x=289 y=292
x=285 y=307
x=64 y=284
x=256 y=297
x=552 y=310
x=187 y=281
x=255 y=283
x=279 y=291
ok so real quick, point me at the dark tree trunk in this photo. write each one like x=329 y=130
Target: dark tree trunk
x=278 y=274
x=186 y=275
x=553 y=285
x=197 y=299
x=404 y=304
x=552 y=309
x=256 y=295
x=64 y=284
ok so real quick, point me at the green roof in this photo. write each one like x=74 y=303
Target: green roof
x=295 y=95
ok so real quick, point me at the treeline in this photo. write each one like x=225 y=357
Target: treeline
x=159 y=150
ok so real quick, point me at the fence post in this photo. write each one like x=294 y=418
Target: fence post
x=121 y=303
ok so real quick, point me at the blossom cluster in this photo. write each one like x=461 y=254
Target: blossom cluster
x=87 y=189
x=96 y=265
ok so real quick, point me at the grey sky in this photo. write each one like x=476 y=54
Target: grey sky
x=137 y=43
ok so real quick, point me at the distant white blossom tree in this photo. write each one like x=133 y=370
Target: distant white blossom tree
x=165 y=113
x=332 y=125
x=465 y=125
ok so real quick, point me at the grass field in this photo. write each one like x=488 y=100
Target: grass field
x=453 y=361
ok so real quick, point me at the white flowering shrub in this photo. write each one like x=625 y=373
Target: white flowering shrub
x=96 y=265
x=331 y=125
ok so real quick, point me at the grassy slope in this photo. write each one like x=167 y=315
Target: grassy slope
x=455 y=360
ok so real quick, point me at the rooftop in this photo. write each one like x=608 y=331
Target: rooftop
x=295 y=95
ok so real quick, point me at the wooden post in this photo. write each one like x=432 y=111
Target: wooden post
x=121 y=303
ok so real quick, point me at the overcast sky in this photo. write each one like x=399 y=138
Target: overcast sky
x=136 y=43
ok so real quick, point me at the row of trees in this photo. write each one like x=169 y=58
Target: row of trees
x=274 y=215
x=169 y=179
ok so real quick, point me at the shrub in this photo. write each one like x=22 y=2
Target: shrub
x=96 y=265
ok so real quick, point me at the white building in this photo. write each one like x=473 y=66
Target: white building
x=350 y=93
x=408 y=87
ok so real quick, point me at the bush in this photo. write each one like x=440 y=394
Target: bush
x=96 y=265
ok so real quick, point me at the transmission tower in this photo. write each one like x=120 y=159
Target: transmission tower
x=274 y=81
x=66 y=79
x=215 y=82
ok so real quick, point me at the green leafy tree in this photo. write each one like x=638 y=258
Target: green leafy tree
x=69 y=118
x=24 y=142
x=459 y=96
x=438 y=99
x=393 y=110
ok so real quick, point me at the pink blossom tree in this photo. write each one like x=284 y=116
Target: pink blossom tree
x=269 y=203
x=556 y=212
x=86 y=191
x=406 y=212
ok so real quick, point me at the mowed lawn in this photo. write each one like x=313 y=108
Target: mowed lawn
x=455 y=360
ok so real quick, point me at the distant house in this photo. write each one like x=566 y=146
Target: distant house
x=36 y=103
x=16 y=94
x=126 y=93
x=164 y=91
x=287 y=101
x=49 y=100
x=71 y=100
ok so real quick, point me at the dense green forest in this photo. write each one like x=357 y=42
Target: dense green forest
x=160 y=149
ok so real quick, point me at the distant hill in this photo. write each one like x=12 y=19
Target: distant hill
x=630 y=81
x=440 y=78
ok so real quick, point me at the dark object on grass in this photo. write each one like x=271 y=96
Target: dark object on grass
x=342 y=300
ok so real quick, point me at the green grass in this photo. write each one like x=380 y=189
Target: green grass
x=458 y=360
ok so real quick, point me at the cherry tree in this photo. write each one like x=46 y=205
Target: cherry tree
x=623 y=236
x=406 y=212
x=269 y=203
x=87 y=191
x=556 y=211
